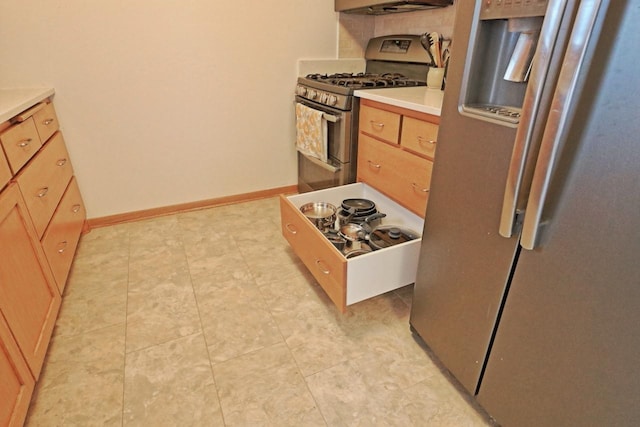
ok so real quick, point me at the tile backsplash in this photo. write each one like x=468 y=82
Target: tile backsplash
x=356 y=30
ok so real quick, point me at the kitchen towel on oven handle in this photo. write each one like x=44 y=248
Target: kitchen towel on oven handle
x=311 y=132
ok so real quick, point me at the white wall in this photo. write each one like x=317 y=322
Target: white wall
x=165 y=102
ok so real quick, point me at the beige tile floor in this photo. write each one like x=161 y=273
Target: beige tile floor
x=207 y=318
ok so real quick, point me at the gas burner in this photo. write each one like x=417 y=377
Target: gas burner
x=365 y=80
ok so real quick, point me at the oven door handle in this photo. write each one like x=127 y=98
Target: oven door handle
x=330 y=118
x=322 y=164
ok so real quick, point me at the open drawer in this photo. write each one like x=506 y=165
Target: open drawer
x=348 y=281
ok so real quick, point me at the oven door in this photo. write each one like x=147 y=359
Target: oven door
x=340 y=168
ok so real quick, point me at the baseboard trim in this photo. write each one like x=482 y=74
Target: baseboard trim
x=186 y=207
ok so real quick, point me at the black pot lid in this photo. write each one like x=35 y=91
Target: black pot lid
x=389 y=235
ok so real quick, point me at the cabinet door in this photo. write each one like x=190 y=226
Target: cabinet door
x=29 y=299
x=17 y=383
x=61 y=238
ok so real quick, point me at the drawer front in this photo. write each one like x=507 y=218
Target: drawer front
x=20 y=143
x=419 y=136
x=61 y=238
x=44 y=181
x=379 y=123
x=5 y=172
x=46 y=122
x=326 y=264
x=401 y=175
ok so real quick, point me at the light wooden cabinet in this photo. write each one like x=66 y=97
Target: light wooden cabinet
x=41 y=218
x=29 y=299
x=62 y=236
x=44 y=181
x=20 y=142
x=399 y=165
x=382 y=124
x=419 y=136
x=17 y=381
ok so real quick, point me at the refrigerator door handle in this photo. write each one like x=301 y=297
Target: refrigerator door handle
x=529 y=132
x=576 y=62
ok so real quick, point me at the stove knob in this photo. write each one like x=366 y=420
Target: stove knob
x=323 y=98
x=301 y=90
x=313 y=94
x=333 y=100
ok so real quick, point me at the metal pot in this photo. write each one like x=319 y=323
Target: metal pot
x=355 y=252
x=323 y=215
x=335 y=239
x=372 y=220
x=354 y=234
x=390 y=235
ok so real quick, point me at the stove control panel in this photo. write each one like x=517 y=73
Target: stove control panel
x=322 y=97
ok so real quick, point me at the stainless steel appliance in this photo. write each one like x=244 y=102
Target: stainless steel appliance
x=383 y=7
x=528 y=286
x=391 y=61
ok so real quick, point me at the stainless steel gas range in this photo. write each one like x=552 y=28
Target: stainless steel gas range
x=391 y=61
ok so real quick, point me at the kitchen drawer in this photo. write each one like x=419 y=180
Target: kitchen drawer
x=61 y=238
x=326 y=264
x=380 y=123
x=419 y=136
x=20 y=143
x=46 y=121
x=44 y=181
x=399 y=174
x=5 y=172
x=348 y=281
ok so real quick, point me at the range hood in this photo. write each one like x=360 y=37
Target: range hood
x=383 y=7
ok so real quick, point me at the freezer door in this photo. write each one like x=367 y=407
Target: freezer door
x=464 y=263
x=567 y=347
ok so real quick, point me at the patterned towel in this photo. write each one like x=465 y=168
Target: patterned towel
x=311 y=132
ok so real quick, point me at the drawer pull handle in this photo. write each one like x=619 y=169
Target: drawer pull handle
x=47 y=122
x=75 y=208
x=423 y=141
x=377 y=124
x=291 y=229
x=415 y=187
x=24 y=142
x=374 y=165
x=63 y=246
x=43 y=192
x=322 y=269
x=61 y=162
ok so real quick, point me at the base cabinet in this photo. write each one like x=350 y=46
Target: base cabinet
x=41 y=219
x=29 y=298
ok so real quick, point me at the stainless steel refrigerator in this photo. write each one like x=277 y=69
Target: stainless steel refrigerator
x=528 y=286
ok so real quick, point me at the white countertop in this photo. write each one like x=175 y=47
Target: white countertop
x=418 y=98
x=15 y=101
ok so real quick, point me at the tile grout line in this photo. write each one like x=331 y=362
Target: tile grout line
x=204 y=337
x=126 y=322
